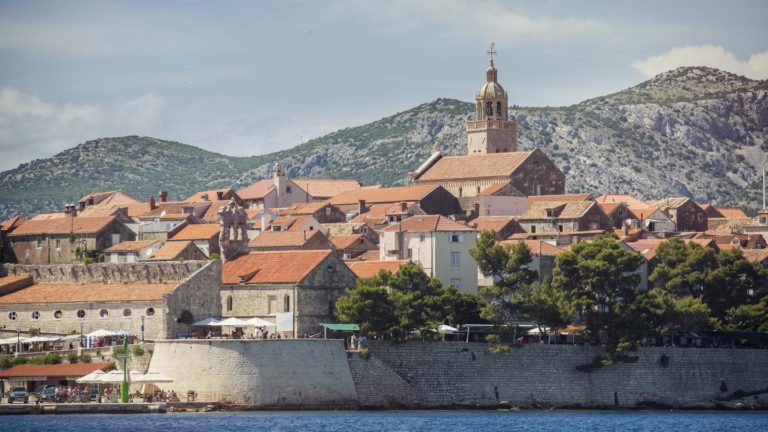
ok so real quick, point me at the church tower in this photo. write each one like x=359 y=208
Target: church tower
x=493 y=131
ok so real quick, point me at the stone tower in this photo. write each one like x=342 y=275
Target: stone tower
x=233 y=234
x=493 y=131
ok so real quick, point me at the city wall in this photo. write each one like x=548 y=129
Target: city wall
x=308 y=373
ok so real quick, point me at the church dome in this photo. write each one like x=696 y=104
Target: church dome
x=491 y=89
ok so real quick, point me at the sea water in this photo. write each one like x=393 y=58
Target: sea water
x=391 y=421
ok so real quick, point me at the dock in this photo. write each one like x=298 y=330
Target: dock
x=83 y=408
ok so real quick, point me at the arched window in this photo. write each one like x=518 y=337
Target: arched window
x=127 y=312
x=287 y=303
x=150 y=312
x=498 y=109
x=459 y=191
x=489 y=109
x=478 y=190
x=229 y=303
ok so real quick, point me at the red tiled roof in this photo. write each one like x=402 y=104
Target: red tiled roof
x=197 y=232
x=372 y=255
x=326 y=188
x=76 y=225
x=47 y=216
x=647 y=247
x=493 y=223
x=168 y=207
x=272 y=267
x=112 y=198
x=344 y=241
x=258 y=190
x=755 y=255
x=609 y=207
x=302 y=208
x=492 y=189
x=91 y=292
x=367 y=269
x=131 y=246
x=7 y=281
x=284 y=239
x=537 y=247
x=12 y=223
x=732 y=213
x=378 y=195
x=172 y=250
x=475 y=166
x=209 y=195
x=55 y=370
x=211 y=215
x=427 y=223
x=567 y=209
x=561 y=197
x=629 y=200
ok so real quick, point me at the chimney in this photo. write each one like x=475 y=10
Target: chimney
x=264 y=224
x=70 y=210
x=625 y=229
x=163 y=196
x=476 y=209
x=361 y=206
x=152 y=203
x=220 y=195
x=82 y=205
x=403 y=206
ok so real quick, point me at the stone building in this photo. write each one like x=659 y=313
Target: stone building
x=351 y=246
x=179 y=251
x=132 y=251
x=59 y=299
x=439 y=245
x=289 y=240
x=305 y=284
x=431 y=199
x=204 y=236
x=7 y=227
x=58 y=240
x=684 y=212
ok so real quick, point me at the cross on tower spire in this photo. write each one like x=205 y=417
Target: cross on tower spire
x=492 y=52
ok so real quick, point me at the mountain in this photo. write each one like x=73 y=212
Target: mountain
x=693 y=131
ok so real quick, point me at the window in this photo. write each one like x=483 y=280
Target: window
x=288 y=189
x=287 y=303
x=39 y=243
x=560 y=228
x=35 y=315
x=130 y=257
x=457 y=238
x=81 y=313
x=489 y=109
x=459 y=191
x=498 y=109
x=229 y=303
x=410 y=253
x=115 y=239
x=113 y=257
x=456 y=283
x=478 y=190
x=150 y=312
x=550 y=213
x=58 y=314
x=421 y=238
x=12 y=316
x=127 y=312
x=455 y=259
x=58 y=244
x=533 y=229
x=593 y=226
x=104 y=313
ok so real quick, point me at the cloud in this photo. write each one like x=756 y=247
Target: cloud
x=756 y=67
x=486 y=20
x=31 y=128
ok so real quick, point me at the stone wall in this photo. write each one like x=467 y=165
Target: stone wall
x=286 y=373
x=443 y=374
x=146 y=272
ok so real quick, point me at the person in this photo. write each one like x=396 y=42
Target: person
x=208 y=336
x=353 y=342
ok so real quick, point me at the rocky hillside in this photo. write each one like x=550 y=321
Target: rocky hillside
x=698 y=132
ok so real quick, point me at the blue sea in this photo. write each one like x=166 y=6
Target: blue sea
x=354 y=421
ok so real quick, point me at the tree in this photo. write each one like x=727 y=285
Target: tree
x=670 y=313
x=369 y=306
x=683 y=268
x=466 y=309
x=602 y=280
x=747 y=317
x=733 y=283
x=546 y=305
x=509 y=268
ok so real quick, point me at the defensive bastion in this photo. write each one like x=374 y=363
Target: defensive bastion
x=313 y=374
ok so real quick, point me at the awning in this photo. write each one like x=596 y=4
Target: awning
x=92 y=378
x=61 y=370
x=258 y=322
x=101 y=333
x=342 y=327
x=232 y=322
x=443 y=328
x=116 y=376
x=153 y=377
x=206 y=322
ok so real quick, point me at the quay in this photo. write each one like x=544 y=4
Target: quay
x=84 y=408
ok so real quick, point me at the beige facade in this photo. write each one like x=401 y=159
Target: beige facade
x=492 y=131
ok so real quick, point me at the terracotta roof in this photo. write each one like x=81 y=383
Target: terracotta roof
x=668 y=203
x=6 y=281
x=272 y=267
x=12 y=223
x=77 y=225
x=132 y=246
x=537 y=247
x=376 y=214
x=258 y=190
x=55 y=370
x=567 y=209
x=197 y=232
x=609 y=207
x=372 y=255
x=302 y=208
x=732 y=213
x=367 y=269
x=174 y=207
x=92 y=292
x=209 y=195
x=493 y=223
x=561 y=197
x=492 y=189
x=756 y=255
x=645 y=212
x=378 y=195
x=475 y=166
x=629 y=200
x=647 y=247
x=112 y=198
x=292 y=223
x=137 y=209
x=326 y=188
x=176 y=216
x=346 y=241
x=428 y=223
x=47 y=216
x=172 y=250
x=284 y=239
x=211 y=215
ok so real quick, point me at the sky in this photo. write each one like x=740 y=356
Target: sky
x=251 y=77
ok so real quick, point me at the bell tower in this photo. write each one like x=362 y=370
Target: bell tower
x=492 y=131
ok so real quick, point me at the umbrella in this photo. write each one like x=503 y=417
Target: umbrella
x=123 y=332
x=442 y=328
x=92 y=378
x=206 y=322
x=153 y=377
x=101 y=333
x=232 y=322
x=258 y=322
x=116 y=376
x=12 y=341
x=38 y=339
x=71 y=337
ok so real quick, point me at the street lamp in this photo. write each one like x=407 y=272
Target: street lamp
x=82 y=345
x=142 y=328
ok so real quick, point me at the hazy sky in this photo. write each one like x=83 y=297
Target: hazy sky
x=251 y=77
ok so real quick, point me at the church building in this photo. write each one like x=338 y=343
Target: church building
x=492 y=167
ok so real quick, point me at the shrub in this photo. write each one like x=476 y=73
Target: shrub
x=364 y=353
x=72 y=358
x=34 y=332
x=85 y=358
x=119 y=350
x=138 y=351
x=47 y=359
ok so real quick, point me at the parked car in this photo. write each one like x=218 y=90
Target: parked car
x=18 y=394
x=47 y=394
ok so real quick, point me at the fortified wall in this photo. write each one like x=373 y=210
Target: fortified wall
x=144 y=272
x=310 y=373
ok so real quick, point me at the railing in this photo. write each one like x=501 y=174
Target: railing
x=491 y=124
